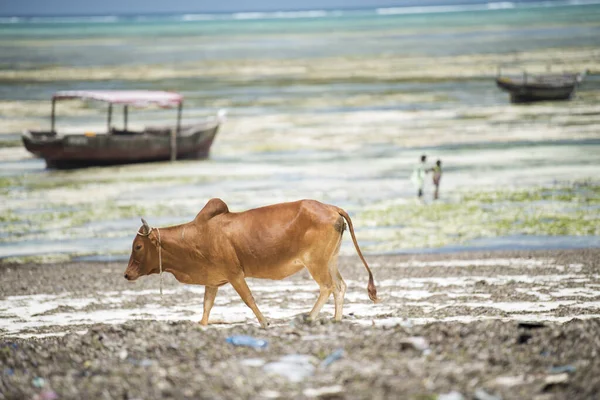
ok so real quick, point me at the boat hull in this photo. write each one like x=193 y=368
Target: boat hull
x=524 y=92
x=76 y=151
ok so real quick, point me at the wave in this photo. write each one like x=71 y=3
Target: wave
x=582 y=2
x=10 y=20
x=500 y=5
x=241 y=16
x=429 y=9
x=200 y=17
x=445 y=9
x=102 y=19
x=260 y=15
x=503 y=5
x=189 y=17
x=282 y=14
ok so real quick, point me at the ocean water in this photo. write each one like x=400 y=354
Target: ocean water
x=335 y=105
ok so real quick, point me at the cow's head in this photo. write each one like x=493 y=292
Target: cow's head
x=144 y=254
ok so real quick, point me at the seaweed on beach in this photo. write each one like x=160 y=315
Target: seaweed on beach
x=561 y=210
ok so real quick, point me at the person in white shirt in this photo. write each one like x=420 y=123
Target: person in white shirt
x=418 y=176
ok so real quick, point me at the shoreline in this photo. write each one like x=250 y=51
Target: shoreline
x=480 y=218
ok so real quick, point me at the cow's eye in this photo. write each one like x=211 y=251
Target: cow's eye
x=138 y=247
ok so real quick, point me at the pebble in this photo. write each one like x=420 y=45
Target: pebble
x=453 y=395
x=324 y=392
x=253 y=362
x=417 y=343
x=562 y=368
x=38 y=382
x=556 y=379
x=481 y=394
x=294 y=367
x=333 y=357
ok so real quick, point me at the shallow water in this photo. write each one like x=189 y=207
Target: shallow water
x=517 y=242
x=167 y=194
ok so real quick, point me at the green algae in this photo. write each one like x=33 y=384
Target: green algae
x=8 y=217
x=65 y=203
x=38 y=259
x=68 y=181
x=565 y=209
x=561 y=210
x=10 y=143
x=67 y=218
x=578 y=192
x=7 y=182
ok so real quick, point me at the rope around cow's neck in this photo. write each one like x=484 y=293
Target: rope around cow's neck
x=159 y=255
x=160 y=261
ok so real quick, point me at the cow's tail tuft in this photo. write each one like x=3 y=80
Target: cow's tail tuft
x=371 y=286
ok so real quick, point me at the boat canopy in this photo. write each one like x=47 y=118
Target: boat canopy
x=136 y=98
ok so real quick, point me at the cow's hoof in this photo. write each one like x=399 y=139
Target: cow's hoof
x=265 y=325
x=303 y=319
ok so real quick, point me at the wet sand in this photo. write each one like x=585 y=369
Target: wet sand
x=513 y=325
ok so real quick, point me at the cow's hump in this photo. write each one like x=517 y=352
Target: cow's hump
x=213 y=208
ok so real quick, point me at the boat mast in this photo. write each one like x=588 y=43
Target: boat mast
x=175 y=133
x=109 y=116
x=52 y=115
x=125 y=118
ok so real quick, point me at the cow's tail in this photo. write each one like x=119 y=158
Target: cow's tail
x=371 y=286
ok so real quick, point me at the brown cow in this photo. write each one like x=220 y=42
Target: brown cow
x=271 y=242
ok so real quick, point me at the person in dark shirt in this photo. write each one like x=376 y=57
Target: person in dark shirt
x=437 y=176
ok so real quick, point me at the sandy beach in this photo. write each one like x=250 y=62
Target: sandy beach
x=508 y=325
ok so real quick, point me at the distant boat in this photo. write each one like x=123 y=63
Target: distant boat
x=124 y=146
x=529 y=88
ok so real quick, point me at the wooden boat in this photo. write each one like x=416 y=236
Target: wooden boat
x=124 y=146
x=530 y=88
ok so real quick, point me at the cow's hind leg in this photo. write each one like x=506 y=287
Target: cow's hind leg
x=339 y=286
x=323 y=269
x=210 y=292
x=321 y=275
x=339 y=292
x=324 y=293
x=241 y=287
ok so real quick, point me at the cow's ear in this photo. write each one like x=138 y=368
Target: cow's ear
x=145 y=227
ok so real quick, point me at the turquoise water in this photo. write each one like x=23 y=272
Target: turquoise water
x=117 y=40
x=40 y=45
x=335 y=105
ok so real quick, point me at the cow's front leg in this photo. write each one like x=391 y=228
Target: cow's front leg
x=240 y=286
x=210 y=292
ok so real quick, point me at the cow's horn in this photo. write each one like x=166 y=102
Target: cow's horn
x=146 y=226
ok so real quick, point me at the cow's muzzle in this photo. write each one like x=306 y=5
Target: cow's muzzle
x=132 y=272
x=130 y=276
